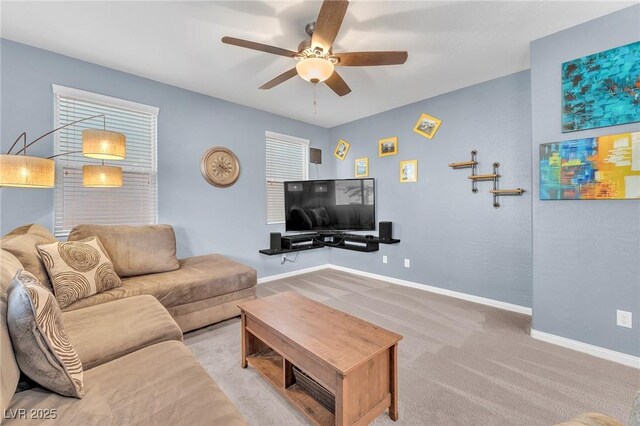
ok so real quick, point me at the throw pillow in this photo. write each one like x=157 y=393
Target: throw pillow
x=78 y=269
x=42 y=348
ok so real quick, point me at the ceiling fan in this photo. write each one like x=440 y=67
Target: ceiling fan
x=316 y=60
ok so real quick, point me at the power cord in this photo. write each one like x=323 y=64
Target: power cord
x=284 y=258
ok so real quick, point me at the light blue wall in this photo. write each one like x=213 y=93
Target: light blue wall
x=582 y=263
x=586 y=254
x=231 y=221
x=454 y=239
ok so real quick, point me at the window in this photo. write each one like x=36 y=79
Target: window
x=287 y=159
x=135 y=203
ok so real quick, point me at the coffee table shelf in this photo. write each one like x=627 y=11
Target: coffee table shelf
x=270 y=365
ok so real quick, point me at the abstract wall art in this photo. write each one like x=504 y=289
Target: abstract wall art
x=602 y=89
x=600 y=168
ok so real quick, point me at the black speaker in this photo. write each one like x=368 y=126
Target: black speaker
x=276 y=241
x=385 y=230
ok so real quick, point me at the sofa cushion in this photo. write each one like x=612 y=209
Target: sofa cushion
x=9 y=370
x=22 y=242
x=104 y=332
x=191 y=316
x=78 y=269
x=42 y=348
x=198 y=278
x=33 y=229
x=161 y=384
x=134 y=250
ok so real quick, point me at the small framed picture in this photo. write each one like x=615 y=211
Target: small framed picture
x=409 y=171
x=361 y=166
x=388 y=146
x=341 y=149
x=427 y=126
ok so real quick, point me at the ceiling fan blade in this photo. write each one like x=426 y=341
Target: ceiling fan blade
x=328 y=23
x=258 y=46
x=337 y=84
x=362 y=59
x=280 y=79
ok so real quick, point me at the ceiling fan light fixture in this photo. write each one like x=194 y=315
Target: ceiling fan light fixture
x=315 y=70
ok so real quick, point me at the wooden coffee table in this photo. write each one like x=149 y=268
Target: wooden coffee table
x=353 y=359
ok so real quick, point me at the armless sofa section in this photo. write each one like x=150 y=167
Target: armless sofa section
x=197 y=291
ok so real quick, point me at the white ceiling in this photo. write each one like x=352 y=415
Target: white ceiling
x=451 y=45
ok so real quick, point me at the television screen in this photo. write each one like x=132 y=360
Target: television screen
x=330 y=205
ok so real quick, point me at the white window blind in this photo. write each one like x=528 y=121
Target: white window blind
x=135 y=203
x=287 y=159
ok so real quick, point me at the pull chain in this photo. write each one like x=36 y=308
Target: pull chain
x=315 y=109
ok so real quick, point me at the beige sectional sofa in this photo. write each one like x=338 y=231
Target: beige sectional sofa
x=136 y=368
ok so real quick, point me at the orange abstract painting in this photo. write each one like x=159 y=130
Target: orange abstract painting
x=604 y=167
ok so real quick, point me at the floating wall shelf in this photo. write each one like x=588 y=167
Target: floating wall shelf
x=495 y=177
x=485 y=177
x=465 y=165
x=515 y=191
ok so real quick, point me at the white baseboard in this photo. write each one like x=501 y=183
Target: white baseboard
x=458 y=295
x=619 y=357
x=608 y=354
x=292 y=273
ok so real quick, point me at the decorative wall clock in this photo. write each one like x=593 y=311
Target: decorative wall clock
x=220 y=167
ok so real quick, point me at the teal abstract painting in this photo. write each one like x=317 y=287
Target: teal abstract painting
x=602 y=89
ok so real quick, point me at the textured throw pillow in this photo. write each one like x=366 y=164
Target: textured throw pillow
x=42 y=348
x=78 y=269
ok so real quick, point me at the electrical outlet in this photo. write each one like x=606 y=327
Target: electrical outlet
x=623 y=318
x=384 y=259
x=407 y=263
x=284 y=259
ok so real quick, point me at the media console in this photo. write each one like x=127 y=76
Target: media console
x=310 y=241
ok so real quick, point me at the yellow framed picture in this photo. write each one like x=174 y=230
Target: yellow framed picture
x=388 y=146
x=427 y=126
x=341 y=149
x=361 y=167
x=409 y=171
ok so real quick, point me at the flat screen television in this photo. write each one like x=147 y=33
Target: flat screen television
x=330 y=205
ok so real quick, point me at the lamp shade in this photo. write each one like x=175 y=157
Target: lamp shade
x=25 y=171
x=103 y=144
x=314 y=70
x=101 y=176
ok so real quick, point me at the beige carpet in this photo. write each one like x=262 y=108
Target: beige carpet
x=460 y=363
